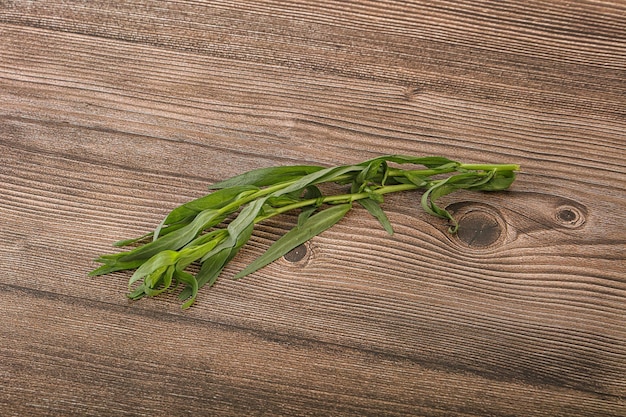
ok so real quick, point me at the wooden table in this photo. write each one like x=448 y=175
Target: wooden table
x=114 y=112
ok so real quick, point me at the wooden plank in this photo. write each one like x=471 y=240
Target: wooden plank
x=112 y=113
x=526 y=47
x=328 y=114
x=92 y=359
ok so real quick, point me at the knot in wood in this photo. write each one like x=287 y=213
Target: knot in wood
x=296 y=254
x=570 y=216
x=480 y=226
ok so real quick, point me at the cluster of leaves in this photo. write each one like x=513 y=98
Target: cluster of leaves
x=196 y=232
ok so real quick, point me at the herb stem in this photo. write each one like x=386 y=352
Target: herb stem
x=336 y=199
x=270 y=190
x=395 y=172
x=253 y=196
x=348 y=198
x=490 y=167
x=418 y=172
x=193 y=232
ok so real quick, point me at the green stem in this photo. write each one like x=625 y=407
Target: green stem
x=395 y=172
x=269 y=190
x=336 y=199
x=392 y=172
x=261 y=193
x=348 y=198
x=490 y=167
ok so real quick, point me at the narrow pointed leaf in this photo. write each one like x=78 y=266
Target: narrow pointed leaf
x=267 y=176
x=310 y=193
x=107 y=268
x=192 y=286
x=418 y=180
x=137 y=293
x=191 y=254
x=218 y=234
x=127 y=242
x=215 y=200
x=324 y=175
x=177 y=239
x=369 y=172
x=501 y=180
x=160 y=260
x=449 y=185
x=240 y=229
x=162 y=284
x=427 y=161
x=313 y=226
x=239 y=232
x=431 y=195
x=373 y=207
x=211 y=269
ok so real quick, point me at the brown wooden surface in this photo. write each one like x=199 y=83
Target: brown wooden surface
x=114 y=112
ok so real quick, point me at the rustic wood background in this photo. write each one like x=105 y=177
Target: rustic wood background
x=114 y=112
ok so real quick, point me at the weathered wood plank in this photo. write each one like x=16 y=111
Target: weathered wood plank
x=93 y=359
x=566 y=322
x=294 y=114
x=111 y=113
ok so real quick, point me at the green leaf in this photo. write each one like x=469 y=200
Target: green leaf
x=430 y=197
x=192 y=286
x=211 y=268
x=471 y=180
x=113 y=266
x=311 y=192
x=163 y=283
x=239 y=232
x=162 y=229
x=190 y=254
x=215 y=200
x=267 y=176
x=157 y=263
x=176 y=239
x=373 y=207
x=127 y=242
x=418 y=180
x=318 y=177
x=137 y=293
x=501 y=180
x=427 y=161
x=368 y=173
x=217 y=234
x=282 y=200
x=240 y=229
x=313 y=226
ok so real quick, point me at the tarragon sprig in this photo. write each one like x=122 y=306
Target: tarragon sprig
x=198 y=232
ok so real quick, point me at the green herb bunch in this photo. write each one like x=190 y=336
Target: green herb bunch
x=210 y=230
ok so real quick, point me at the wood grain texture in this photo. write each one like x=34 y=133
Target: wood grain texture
x=114 y=112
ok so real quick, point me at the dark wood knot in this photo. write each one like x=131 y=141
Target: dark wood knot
x=570 y=216
x=479 y=229
x=296 y=254
x=480 y=225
